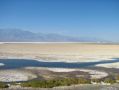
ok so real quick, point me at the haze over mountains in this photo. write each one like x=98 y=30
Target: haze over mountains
x=17 y=35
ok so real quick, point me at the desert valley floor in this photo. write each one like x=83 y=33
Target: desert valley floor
x=57 y=60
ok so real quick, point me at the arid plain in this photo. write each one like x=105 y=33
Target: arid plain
x=64 y=52
x=71 y=52
x=60 y=52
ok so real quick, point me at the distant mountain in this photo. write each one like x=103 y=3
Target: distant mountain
x=17 y=35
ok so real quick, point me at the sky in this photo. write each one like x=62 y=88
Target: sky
x=77 y=18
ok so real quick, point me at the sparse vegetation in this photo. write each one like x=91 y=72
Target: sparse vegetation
x=117 y=77
x=84 y=81
x=55 y=83
x=96 y=80
x=109 y=80
x=3 y=85
x=60 y=82
x=65 y=82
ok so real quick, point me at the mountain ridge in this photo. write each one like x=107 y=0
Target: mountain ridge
x=18 y=35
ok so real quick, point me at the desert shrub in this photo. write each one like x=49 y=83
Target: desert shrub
x=3 y=85
x=35 y=83
x=50 y=83
x=96 y=80
x=109 y=80
x=41 y=84
x=84 y=81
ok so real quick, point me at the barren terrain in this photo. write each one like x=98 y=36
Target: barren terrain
x=60 y=52
x=70 y=52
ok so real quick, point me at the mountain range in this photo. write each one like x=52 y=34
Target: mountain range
x=17 y=35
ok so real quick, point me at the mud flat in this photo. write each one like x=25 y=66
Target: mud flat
x=15 y=75
x=65 y=52
x=109 y=65
x=93 y=74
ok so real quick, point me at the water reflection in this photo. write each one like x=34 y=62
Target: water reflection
x=20 y=63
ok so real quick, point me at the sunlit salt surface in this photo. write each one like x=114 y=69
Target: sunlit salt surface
x=1 y=64
x=15 y=75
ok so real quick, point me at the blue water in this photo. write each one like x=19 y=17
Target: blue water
x=16 y=63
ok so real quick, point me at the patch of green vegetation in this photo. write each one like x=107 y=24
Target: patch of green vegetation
x=60 y=82
x=3 y=85
x=96 y=80
x=109 y=80
x=55 y=82
x=84 y=81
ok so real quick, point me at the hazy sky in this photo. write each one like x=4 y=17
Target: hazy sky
x=80 y=18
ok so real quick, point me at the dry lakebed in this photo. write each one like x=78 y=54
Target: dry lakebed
x=27 y=61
